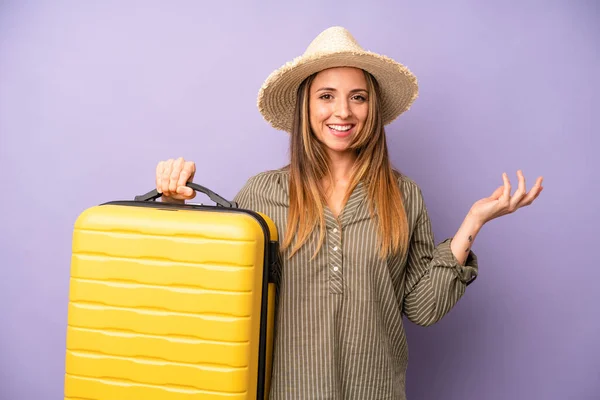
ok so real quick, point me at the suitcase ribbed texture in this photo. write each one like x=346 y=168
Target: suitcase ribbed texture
x=165 y=304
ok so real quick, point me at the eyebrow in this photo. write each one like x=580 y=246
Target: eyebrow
x=330 y=89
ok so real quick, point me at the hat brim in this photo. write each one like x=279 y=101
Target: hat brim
x=277 y=96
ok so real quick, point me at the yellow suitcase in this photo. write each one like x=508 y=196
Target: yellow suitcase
x=171 y=302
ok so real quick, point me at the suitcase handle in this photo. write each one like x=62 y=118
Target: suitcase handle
x=154 y=194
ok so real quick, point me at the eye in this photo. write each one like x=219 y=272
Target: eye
x=360 y=98
x=325 y=96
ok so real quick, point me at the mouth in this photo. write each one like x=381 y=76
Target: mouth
x=341 y=130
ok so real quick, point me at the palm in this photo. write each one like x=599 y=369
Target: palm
x=486 y=205
x=501 y=202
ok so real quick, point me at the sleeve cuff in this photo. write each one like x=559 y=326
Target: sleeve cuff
x=466 y=273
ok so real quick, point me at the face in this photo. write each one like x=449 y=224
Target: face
x=338 y=106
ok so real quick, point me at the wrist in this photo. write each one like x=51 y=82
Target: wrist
x=474 y=222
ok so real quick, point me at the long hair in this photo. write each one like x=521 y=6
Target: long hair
x=309 y=166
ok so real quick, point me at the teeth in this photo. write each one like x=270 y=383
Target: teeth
x=341 y=128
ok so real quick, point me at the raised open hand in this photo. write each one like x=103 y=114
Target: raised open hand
x=501 y=202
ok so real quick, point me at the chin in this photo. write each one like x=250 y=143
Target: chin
x=337 y=147
x=335 y=144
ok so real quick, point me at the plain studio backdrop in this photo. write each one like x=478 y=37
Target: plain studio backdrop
x=94 y=94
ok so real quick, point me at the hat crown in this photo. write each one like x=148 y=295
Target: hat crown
x=333 y=40
x=332 y=48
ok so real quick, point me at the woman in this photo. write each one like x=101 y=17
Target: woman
x=358 y=250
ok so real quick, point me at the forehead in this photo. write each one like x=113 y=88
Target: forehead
x=340 y=77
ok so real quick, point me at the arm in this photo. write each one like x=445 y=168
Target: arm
x=436 y=277
x=464 y=238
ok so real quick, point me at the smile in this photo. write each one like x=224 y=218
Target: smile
x=340 y=128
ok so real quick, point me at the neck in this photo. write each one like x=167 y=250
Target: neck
x=341 y=165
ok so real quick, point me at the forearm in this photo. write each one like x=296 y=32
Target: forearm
x=465 y=236
x=434 y=296
x=437 y=276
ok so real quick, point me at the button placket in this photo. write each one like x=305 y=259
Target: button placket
x=334 y=236
x=335 y=258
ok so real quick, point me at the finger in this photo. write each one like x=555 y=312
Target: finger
x=521 y=188
x=166 y=174
x=506 y=193
x=193 y=170
x=159 y=170
x=187 y=192
x=186 y=173
x=533 y=193
x=497 y=193
x=175 y=172
x=519 y=194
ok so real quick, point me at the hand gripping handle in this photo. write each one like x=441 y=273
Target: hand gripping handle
x=154 y=194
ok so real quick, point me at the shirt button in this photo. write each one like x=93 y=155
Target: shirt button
x=335 y=269
x=335 y=248
x=334 y=230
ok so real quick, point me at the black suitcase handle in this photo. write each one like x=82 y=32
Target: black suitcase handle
x=154 y=194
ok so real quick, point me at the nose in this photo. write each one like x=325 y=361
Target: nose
x=343 y=110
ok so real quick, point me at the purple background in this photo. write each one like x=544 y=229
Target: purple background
x=94 y=94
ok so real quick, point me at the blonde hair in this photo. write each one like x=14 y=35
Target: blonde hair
x=310 y=164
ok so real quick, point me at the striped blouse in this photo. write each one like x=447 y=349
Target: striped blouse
x=339 y=324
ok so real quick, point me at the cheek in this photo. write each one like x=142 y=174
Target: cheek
x=362 y=113
x=319 y=113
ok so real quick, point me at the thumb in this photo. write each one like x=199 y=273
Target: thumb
x=186 y=191
x=497 y=193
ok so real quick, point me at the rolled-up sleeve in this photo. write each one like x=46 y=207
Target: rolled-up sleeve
x=435 y=280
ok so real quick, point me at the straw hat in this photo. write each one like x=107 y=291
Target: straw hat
x=335 y=47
